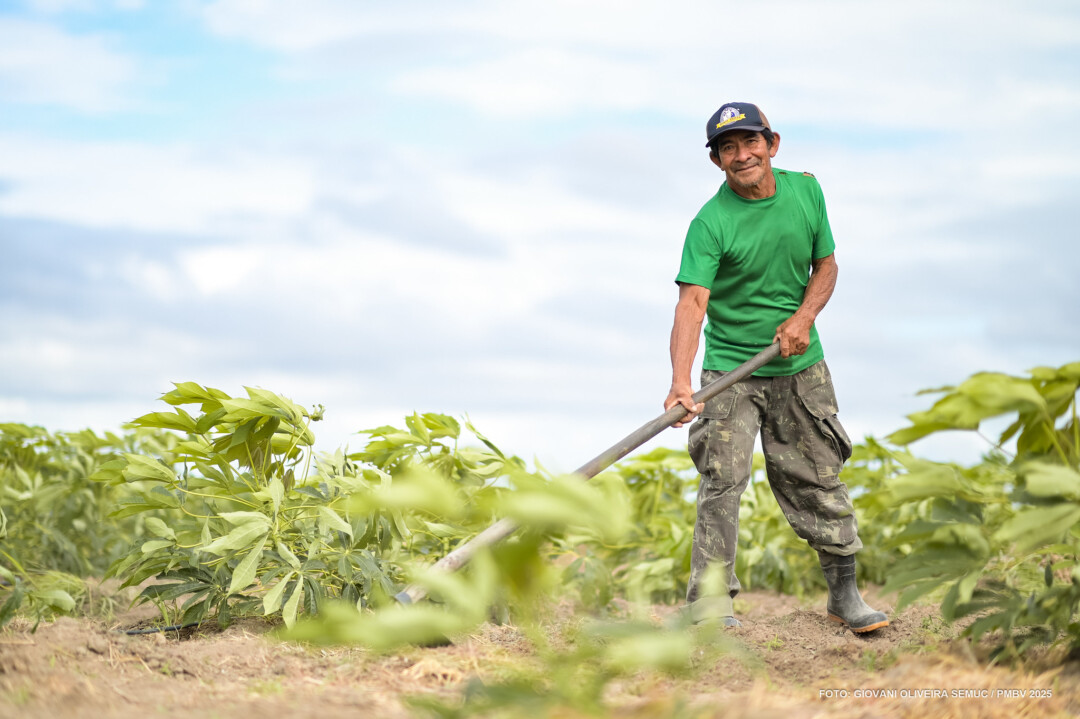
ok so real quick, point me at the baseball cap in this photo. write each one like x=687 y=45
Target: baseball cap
x=735 y=116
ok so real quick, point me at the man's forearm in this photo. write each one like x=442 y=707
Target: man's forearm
x=685 y=335
x=794 y=333
x=819 y=289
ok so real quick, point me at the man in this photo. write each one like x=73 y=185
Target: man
x=758 y=261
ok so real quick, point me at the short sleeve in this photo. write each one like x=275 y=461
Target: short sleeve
x=824 y=245
x=700 y=256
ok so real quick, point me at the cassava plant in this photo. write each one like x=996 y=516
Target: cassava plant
x=1000 y=539
x=55 y=528
x=252 y=520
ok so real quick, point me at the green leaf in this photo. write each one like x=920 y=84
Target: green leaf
x=925 y=479
x=443 y=425
x=169 y=592
x=12 y=604
x=237 y=539
x=381 y=631
x=468 y=595
x=981 y=396
x=416 y=489
x=245 y=572
x=162 y=498
x=1030 y=528
x=920 y=429
x=272 y=599
x=276 y=490
x=998 y=393
x=959 y=594
x=293 y=605
x=111 y=472
x=666 y=651
x=155 y=544
x=178 y=420
x=158 y=528
x=418 y=428
x=291 y=411
x=56 y=598
x=285 y=553
x=140 y=467
x=329 y=519
x=240 y=519
x=209 y=420
x=191 y=393
x=1051 y=480
x=568 y=501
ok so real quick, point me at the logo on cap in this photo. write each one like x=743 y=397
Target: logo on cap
x=730 y=115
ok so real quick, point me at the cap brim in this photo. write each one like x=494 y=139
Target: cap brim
x=751 y=128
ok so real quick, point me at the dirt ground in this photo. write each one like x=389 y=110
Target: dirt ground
x=787 y=661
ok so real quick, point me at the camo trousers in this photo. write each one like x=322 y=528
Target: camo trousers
x=804 y=446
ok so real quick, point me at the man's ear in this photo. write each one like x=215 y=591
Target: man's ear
x=775 y=144
x=715 y=159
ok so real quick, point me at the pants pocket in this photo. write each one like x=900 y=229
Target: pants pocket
x=815 y=391
x=720 y=406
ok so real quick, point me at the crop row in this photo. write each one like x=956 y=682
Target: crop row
x=221 y=507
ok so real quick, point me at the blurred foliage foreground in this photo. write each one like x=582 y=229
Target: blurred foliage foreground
x=220 y=508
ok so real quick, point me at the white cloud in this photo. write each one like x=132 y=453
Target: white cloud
x=177 y=188
x=525 y=283
x=56 y=6
x=292 y=27
x=353 y=275
x=541 y=81
x=536 y=206
x=918 y=65
x=43 y=65
x=59 y=6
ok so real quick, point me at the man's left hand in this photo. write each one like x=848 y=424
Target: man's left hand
x=794 y=335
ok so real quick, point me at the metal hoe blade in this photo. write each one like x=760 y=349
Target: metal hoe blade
x=505 y=527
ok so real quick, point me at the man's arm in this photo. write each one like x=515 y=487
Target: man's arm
x=685 y=335
x=794 y=334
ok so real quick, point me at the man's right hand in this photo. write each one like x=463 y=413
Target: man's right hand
x=683 y=394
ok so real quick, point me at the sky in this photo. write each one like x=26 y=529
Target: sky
x=478 y=207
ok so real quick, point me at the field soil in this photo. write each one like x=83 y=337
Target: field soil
x=787 y=661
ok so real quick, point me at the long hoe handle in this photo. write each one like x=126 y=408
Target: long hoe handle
x=505 y=527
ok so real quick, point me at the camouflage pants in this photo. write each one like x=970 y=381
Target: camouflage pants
x=804 y=446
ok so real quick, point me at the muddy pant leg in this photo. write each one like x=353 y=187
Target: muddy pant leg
x=722 y=447
x=805 y=446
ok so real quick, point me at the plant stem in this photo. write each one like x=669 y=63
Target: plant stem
x=1076 y=430
x=232 y=498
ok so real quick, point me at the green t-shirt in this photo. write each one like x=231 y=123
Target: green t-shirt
x=754 y=256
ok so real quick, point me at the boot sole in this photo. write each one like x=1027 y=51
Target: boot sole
x=859 y=630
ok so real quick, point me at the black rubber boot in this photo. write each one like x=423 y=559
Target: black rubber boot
x=846 y=605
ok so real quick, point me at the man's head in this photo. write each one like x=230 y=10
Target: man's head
x=742 y=144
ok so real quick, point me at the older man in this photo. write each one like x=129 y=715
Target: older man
x=759 y=262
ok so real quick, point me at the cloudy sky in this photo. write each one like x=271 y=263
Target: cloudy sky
x=478 y=207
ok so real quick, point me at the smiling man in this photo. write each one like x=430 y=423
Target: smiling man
x=759 y=262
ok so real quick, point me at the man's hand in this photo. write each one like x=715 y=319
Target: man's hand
x=794 y=335
x=683 y=394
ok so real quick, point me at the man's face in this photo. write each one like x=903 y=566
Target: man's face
x=746 y=159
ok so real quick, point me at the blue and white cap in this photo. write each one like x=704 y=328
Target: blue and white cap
x=735 y=116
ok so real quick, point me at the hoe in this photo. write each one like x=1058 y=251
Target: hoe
x=505 y=527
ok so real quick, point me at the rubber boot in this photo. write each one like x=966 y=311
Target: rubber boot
x=846 y=605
